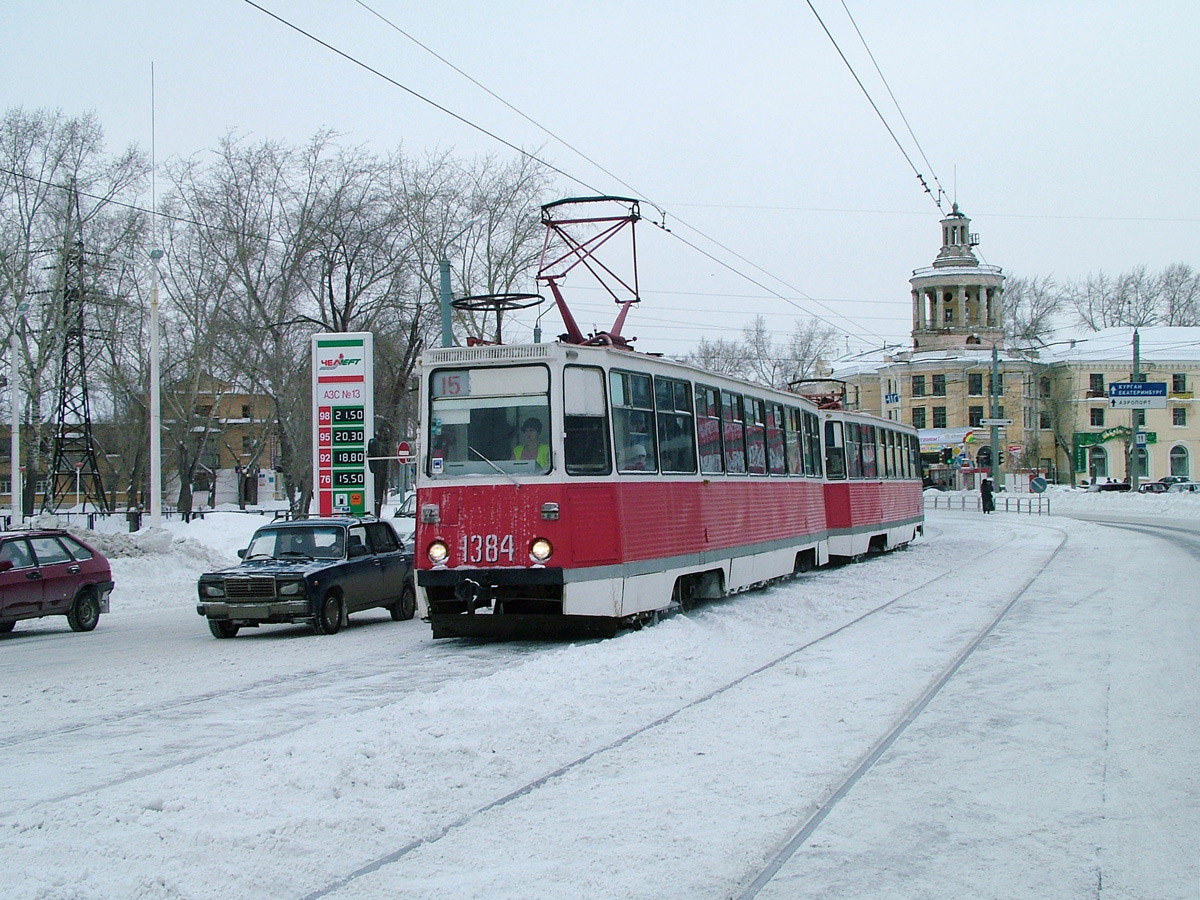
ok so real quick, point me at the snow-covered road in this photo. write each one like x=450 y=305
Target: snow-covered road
x=1007 y=709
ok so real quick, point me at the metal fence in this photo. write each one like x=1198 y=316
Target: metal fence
x=132 y=520
x=1029 y=504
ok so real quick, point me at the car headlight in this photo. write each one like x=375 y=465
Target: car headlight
x=290 y=588
x=438 y=552
x=540 y=550
x=213 y=589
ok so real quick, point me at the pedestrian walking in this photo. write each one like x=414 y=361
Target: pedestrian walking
x=985 y=496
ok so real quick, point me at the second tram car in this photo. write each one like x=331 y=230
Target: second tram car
x=573 y=489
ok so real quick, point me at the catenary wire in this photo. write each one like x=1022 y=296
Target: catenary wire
x=860 y=334
x=896 y=103
x=617 y=178
x=867 y=94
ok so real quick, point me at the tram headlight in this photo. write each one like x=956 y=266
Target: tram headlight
x=438 y=552
x=540 y=550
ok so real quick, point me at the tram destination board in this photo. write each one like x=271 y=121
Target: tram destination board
x=1137 y=395
x=343 y=414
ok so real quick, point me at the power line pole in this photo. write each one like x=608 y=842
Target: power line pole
x=74 y=456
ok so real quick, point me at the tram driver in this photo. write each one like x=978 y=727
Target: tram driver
x=532 y=446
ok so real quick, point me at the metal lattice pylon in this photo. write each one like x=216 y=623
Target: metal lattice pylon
x=73 y=466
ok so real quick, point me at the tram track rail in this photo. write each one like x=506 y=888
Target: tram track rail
x=813 y=821
x=464 y=820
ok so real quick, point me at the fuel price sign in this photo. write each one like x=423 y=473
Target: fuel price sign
x=343 y=417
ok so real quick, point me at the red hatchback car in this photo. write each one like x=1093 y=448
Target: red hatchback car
x=51 y=573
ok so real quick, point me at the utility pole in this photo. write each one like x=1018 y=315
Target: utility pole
x=444 y=273
x=995 y=389
x=1133 y=413
x=14 y=381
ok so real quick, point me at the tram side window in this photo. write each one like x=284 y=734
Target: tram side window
x=853 y=453
x=756 y=436
x=708 y=429
x=887 y=445
x=835 y=451
x=776 y=464
x=733 y=432
x=812 y=446
x=914 y=455
x=633 y=421
x=676 y=437
x=585 y=422
x=869 y=454
x=795 y=462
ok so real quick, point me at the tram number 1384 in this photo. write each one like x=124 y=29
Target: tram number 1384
x=486 y=548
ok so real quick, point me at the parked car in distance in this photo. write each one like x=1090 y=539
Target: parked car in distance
x=47 y=572
x=403 y=513
x=405 y=517
x=1174 y=479
x=315 y=570
x=1183 y=487
x=1107 y=485
x=1153 y=487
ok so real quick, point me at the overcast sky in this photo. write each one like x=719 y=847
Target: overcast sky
x=1067 y=131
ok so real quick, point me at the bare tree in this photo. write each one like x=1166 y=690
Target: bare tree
x=757 y=357
x=1180 y=291
x=721 y=357
x=1031 y=308
x=1138 y=298
x=58 y=189
x=252 y=208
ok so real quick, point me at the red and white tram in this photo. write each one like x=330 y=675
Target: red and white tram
x=872 y=484
x=575 y=487
x=572 y=489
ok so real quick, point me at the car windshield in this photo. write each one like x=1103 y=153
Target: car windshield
x=314 y=542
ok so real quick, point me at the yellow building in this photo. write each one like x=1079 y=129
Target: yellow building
x=1046 y=411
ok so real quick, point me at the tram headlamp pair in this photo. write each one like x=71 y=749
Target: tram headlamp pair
x=539 y=551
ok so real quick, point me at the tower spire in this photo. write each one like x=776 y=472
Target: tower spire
x=957 y=302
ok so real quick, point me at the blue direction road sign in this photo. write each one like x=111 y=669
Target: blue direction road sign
x=1137 y=395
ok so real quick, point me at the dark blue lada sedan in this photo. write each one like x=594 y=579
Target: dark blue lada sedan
x=315 y=570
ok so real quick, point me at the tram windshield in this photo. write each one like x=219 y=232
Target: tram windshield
x=489 y=421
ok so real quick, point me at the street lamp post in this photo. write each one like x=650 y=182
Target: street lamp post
x=155 y=401
x=14 y=380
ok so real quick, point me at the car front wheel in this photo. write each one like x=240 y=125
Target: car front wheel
x=328 y=619
x=222 y=628
x=84 y=612
x=406 y=608
x=6 y=627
